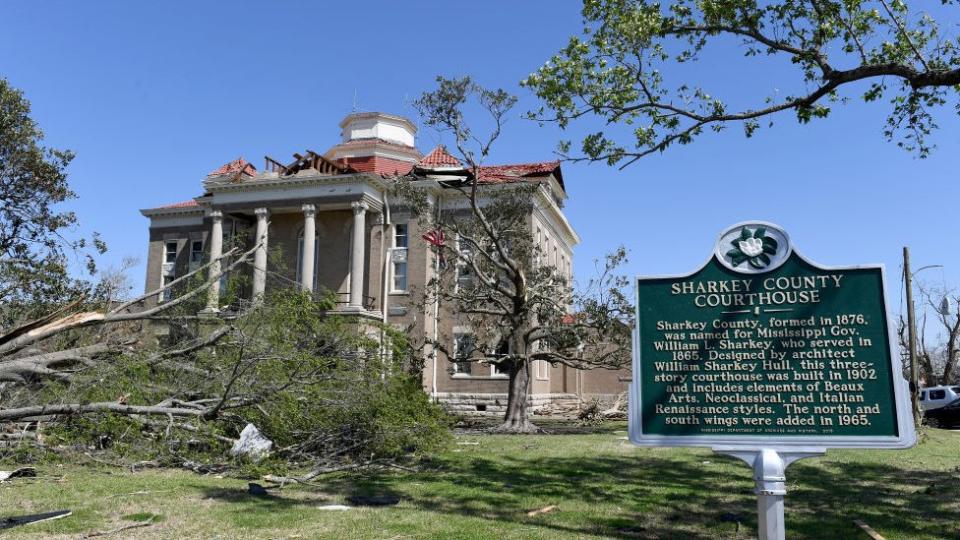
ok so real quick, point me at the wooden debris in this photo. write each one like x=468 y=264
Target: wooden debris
x=33 y=518
x=22 y=472
x=119 y=529
x=868 y=529
x=543 y=510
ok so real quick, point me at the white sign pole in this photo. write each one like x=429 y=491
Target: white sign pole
x=769 y=473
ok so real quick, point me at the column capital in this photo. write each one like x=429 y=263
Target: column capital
x=359 y=207
x=216 y=215
x=309 y=210
x=261 y=213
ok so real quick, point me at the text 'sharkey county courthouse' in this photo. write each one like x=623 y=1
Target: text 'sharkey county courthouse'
x=331 y=218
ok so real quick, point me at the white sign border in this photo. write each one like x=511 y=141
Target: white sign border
x=905 y=427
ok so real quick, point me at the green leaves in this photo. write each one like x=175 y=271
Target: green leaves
x=614 y=71
x=770 y=245
x=37 y=235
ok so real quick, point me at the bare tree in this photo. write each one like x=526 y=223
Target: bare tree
x=497 y=278
x=943 y=306
x=938 y=348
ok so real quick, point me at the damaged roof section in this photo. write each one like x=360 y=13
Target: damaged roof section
x=309 y=161
x=372 y=143
x=440 y=161
x=236 y=168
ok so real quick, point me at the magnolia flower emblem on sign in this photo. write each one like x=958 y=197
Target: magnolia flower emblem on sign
x=753 y=248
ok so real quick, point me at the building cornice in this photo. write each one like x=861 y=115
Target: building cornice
x=264 y=183
x=549 y=209
x=173 y=211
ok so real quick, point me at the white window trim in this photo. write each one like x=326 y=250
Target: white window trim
x=165 y=293
x=495 y=375
x=393 y=263
x=460 y=264
x=168 y=270
x=543 y=370
x=195 y=264
x=166 y=251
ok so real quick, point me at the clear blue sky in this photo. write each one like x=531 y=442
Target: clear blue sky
x=152 y=96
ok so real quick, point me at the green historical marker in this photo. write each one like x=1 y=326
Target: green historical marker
x=767 y=356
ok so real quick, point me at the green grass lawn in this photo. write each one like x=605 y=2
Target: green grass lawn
x=603 y=487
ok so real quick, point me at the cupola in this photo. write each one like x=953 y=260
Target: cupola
x=376 y=142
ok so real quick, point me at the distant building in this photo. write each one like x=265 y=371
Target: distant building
x=337 y=229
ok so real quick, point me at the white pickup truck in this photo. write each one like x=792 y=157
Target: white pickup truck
x=934 y=397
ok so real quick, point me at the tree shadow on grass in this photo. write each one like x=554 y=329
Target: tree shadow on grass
x=652 y=498
x=659 y=497
x=278 y=501
x=912 y=503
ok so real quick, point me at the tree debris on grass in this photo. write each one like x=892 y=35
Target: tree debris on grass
x=22 y=472
x=119 y=529
x=868 y=529
x=10 y=522
x=544 y=510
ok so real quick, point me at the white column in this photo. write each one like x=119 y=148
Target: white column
x=260 y=256
x=216 y=251
x=309 y=240
x=356 y=257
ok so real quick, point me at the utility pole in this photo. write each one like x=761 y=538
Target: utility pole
x=912 y=333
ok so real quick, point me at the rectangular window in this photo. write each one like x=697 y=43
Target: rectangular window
x=166 y=294
x=170 y=252
x=196 y=253
x=938 y=394
x=400 y=275
x=168 y=269
x=463 y=347
x=501 y=351
x=400 y=235
x=399 y=257
x=536 y=247
x=543 y=369
x=464 y=268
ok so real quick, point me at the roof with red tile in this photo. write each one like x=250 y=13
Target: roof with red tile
x=182 y=204
x=377 y=164
x=439 y=157
x=502 y=174
x=189 y=206
x=238 y=165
